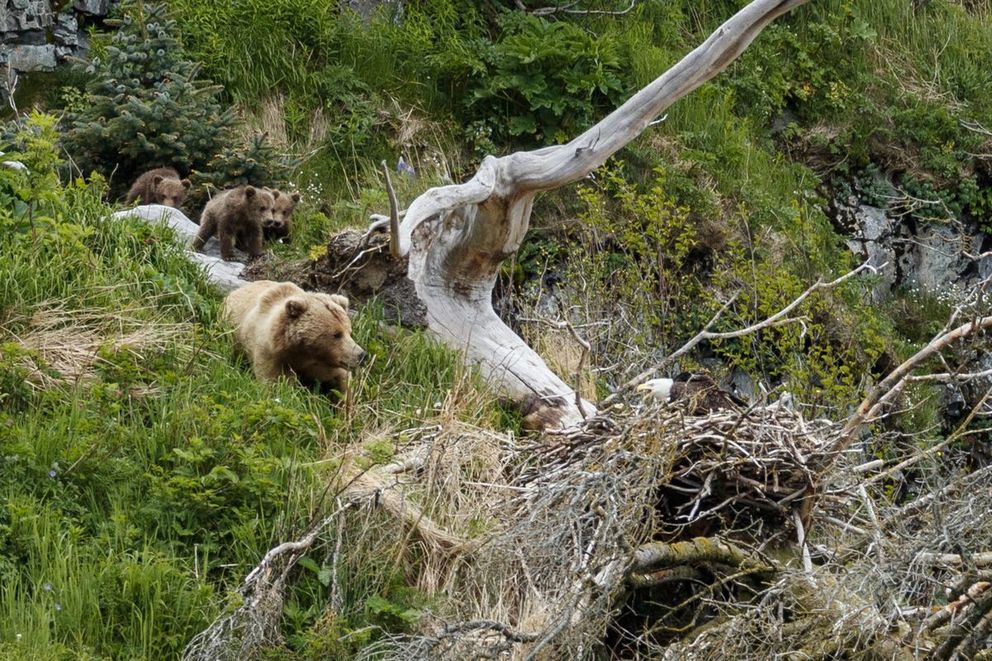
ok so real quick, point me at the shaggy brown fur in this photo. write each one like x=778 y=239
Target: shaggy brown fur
x=286 y=331
x=237 y=216
x=158 y=186
x=282 y=228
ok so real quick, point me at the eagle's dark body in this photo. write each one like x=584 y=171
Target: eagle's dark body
x=696 y=394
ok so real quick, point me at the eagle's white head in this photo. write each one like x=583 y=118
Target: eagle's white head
x=657 y=389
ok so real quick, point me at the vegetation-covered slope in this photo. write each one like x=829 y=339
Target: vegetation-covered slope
x=145 y=471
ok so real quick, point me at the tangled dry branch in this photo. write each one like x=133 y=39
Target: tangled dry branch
x=653 y=532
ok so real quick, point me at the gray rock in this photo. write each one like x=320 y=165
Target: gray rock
x=92 y=7
x=29 y=15
x=741 y=384
x=32 y=58
x=29 y=38
x=935 y=258
x=66 y=30
x=226 y=275
x=871 y=240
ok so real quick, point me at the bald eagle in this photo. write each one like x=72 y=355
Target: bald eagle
x=696 y=393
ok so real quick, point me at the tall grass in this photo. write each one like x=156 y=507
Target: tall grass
x=141 y=479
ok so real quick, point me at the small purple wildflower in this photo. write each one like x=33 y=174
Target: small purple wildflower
x=405 y=168
x=53 y=473
x=47 y=587
x=58 y=606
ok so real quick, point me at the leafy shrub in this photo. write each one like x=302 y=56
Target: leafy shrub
x=545 y=81
x=815 y=69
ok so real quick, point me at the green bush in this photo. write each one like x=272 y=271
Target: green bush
x=545 y=81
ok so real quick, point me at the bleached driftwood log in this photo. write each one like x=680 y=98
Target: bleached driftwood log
x=457 y=236
x=226 y=275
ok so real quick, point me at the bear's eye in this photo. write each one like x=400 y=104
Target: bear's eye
x=338 y=335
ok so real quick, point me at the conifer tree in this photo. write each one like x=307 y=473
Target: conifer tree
x=145 y=106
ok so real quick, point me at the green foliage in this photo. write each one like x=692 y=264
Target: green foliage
x=814 y=67
x=92 y=562
x=646 y=241
x=257 y=164
x=138 y=493
x=31 y=193
x=544 y=81
x=145 y=105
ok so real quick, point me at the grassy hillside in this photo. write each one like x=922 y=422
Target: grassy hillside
x=145 y=471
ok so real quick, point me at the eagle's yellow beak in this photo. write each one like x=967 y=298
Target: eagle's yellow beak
x=642 y=386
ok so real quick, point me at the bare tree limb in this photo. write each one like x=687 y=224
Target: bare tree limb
x=956 y=561
x=777 y=319
x=458 y=236
x=891 y=384
x=394 y=215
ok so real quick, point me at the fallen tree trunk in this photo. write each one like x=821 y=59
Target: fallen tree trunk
x=457 y=236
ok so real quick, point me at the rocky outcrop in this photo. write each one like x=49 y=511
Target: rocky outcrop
x=936 y=256
x=37 y=35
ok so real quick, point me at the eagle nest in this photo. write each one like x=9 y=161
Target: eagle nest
x=642 y=532
x=728 y=469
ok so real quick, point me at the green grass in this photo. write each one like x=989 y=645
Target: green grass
x=135 y=497
x=139 y=489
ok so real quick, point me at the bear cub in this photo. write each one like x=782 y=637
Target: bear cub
x=286 y=331
x=237 y=216
x=282 y=228
x=159 y=186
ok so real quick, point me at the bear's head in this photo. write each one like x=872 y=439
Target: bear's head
x=318 y=332
x=170 y=191
x=261 y=205
x=285 y=205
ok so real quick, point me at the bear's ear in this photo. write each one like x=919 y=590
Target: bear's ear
x=186 y=183
x=275 y=193
x=296 y=306
x=340 y=300
x=156 y=180
x=250 y=191
x=296 y=198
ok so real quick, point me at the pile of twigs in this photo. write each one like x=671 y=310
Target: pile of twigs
x=644 y=531
x=727 y=464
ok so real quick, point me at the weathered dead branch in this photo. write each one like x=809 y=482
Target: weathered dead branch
x=457 y=236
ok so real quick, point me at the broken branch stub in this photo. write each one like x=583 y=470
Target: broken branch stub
x=457 y=236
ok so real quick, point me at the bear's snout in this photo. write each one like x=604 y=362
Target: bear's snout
x=363 y=357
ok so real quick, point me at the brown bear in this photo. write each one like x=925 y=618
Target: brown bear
x=159 y=186
x=237 y=216
x=283 y=226
x=286 y=331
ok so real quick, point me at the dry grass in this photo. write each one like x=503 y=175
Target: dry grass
x=57 y=345
x=270 y=119
x=563 y=355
